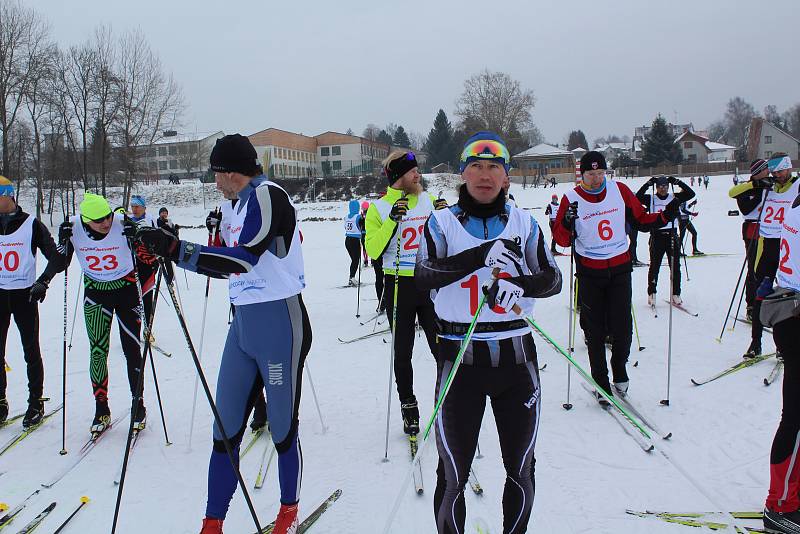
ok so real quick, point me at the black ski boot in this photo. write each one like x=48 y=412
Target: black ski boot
x=781 y=522
x=3 y=410
x=753 y=350
x=102 y=417
x=140 y=417
x=698 y=253
x=34 y=414
x=410 y=412
x=259 y=414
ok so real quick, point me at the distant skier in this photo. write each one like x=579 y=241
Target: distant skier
x=782 y=507
x=21 y=235
x=705 y=181
x=271 y=333
x=352 y=239
x=749 y=199
x=685 y=224
x=664 y=240
x=462 y=245
x=779 y=199
x=166 y=223
x=551 y=211
x=596 y=212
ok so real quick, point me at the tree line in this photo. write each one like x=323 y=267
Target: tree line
x=78 y=114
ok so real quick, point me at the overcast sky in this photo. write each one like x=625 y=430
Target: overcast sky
x=603 y=67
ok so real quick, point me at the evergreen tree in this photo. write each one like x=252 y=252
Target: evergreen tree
x=384 y=138
x=659 y=147
x=577 y=139
x=401 y=138
x=439 y=144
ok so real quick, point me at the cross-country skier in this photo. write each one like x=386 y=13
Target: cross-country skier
x=456 y=258
x=685 y=224
x=394 y=227
x=782 y=508
x=779 y=199
x=665 y=240
x=597 y=211
x=749 y=199
x=352 y=239
x=270 y=335
x=21 y=235
x=100 y=240
x=551 y=211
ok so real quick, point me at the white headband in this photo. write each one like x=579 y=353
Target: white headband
x=781 y=164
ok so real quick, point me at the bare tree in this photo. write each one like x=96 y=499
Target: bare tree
x=39 y=104
x=24 y=36
x=738 y=116
x=194 y=155
x=371 y=132
x=771 y=115
x=496 y=100
x=106 y=94
x=149 y=102
x=791 y=119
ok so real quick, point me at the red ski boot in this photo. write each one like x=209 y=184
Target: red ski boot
x=286 y=523
x=211 y=526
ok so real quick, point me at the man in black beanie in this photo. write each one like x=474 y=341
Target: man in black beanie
x=270 y=335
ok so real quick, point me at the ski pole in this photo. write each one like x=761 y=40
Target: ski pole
x=200 y=352
x=232 y=456
x=572 y=297
x=442 y=394
x=738 y=308
x=682 y=230
x=394 y=334
x=636 y=328
x=574 y=312
x=137 y=396
x=75 y=314
x=738 y=280
x=358 y=289
x=150 y=321
x=63 y=450
x=665 y=401
x=314 y=394
x=84 y=501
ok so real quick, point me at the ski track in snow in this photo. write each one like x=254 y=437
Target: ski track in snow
x=587 y=472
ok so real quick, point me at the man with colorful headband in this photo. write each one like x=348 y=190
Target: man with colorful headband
x=21 y=235
x=593 y=216
x=101 y=241
x=749 y=199
x=394 y=226
x=776 y=204
x=462 y=246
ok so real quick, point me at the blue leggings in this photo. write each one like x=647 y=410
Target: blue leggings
x=267 y=343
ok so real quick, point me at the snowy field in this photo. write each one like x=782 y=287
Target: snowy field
x=588 y=470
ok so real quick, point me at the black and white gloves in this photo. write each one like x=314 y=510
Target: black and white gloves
x=503 y=254
x=502 y=294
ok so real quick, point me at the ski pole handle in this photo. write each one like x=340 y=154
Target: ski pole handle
x=496 y=274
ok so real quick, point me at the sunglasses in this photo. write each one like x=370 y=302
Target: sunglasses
x=485 y=149
x=101 y=219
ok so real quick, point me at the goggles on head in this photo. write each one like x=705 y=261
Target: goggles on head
x=486 y=149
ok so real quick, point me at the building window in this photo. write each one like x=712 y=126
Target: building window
x=162 y=151
x=324 y=151
x=152 y=152
x=162 y=165
x=767 y=139
x=173 y=164
x=687 y=144
x=337 y=165
x=173 y=150
x=768 y=154
x=153 y=165
x=336 y=151
x=184 y=149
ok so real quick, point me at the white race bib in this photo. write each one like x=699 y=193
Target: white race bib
x=17 y=261
x=106 y=259
x=600 y=226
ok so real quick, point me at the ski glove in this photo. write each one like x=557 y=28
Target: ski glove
x=672 y=209
x=38 y=291
x=502 y=253
x=129 y=228
x=570 y=215
x=213 y=221
x=64 y=232
x=399 y=209
x=502 y=294
x=439 y=204
x=159 y=242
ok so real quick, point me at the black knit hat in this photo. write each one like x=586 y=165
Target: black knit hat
x=234 y=153
x=399 y=166
x=592 y=160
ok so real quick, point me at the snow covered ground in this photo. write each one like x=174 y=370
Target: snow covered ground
x=588 y=471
